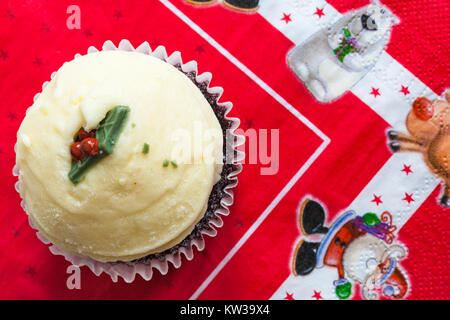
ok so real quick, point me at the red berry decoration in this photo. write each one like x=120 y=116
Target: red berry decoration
x=90 y=146
x=77 y=152
x=423 y=108
x=87 y=147
x=83 y=134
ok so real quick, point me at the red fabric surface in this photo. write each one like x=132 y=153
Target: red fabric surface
x=34 y=42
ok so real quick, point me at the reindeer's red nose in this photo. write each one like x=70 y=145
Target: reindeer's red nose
x=423 y=108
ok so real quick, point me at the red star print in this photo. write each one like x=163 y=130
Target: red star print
x=375 y=92
x=205 y=253
x=408 y=197
x=155 y=43
x=118 y=14
x=12 y=116
x=286 y=18
x=37 y=61
x=199 y=49
x=406 y=169
x=16 y=233
x=377 y=199
x=45 y=28
x=4 y=54
x=317 y=295
x=289 y=296
x=319 y=12
x=404 y=90
x=87 y=33
x=169 y=284
x=10 y=14
x=30 y=271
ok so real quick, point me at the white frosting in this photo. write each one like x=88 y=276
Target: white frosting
x=128 y=205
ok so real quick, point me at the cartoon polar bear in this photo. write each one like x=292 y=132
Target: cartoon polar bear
x=332 y=60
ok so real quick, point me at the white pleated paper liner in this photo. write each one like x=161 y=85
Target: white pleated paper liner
x=220 y=199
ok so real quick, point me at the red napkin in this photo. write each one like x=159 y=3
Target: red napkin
x=341 y=146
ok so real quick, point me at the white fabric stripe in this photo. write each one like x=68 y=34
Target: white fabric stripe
x=392 y=184
x=304 y=23
x=388 y=76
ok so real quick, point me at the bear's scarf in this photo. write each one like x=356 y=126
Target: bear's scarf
x=348 y=45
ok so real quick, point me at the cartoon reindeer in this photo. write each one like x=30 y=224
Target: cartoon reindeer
x=428 y=124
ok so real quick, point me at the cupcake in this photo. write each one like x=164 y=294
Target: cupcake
x=122 y=160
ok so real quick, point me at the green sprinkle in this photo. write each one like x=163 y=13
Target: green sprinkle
x=167 y=162
x=107 y=135
x=133 y=125
x=145 y=148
